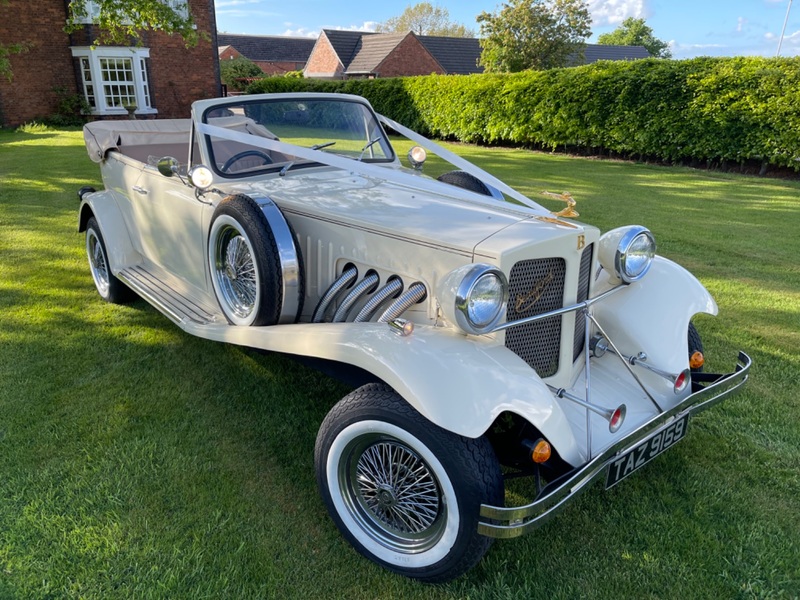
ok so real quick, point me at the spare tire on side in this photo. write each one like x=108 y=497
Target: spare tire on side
x=255 y=265
x=467 y=181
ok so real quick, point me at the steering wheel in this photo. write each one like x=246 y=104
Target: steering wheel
x=245 y=154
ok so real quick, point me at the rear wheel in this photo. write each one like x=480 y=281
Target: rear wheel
x=404 y=492
x=108 y=286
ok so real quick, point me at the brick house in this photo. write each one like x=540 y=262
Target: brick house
x=274 y=54
x=354 y=54
x=349 y=54
x=161 y=77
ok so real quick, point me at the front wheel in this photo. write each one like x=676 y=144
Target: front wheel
x=404 y=492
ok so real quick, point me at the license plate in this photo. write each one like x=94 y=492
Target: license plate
x=637 y=457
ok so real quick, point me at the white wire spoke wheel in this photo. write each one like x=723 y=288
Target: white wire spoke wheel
x=403 y=491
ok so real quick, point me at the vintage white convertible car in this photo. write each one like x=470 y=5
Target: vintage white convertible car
x=497 y=339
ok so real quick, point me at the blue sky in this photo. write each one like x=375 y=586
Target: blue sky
x=692 y=27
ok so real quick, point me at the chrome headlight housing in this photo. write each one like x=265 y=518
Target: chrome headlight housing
x=474 y=297
x=627 y=252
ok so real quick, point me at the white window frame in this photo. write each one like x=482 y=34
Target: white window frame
x=93 y=10
x=141 y=84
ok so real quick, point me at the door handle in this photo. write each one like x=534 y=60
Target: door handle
x=140 y=190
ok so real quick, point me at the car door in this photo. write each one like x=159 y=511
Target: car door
x=171 y=223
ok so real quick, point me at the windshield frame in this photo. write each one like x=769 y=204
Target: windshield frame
x=374 y=125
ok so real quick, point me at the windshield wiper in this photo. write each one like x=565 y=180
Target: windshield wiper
x=368 y=146
x=321 y=146
x=286 y=168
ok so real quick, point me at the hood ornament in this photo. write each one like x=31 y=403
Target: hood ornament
x=567 y=212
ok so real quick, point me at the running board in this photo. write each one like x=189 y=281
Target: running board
x=167 y=299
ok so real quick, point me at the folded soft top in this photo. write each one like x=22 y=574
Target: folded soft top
x=102 y=136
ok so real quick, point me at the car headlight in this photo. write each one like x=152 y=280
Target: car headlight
x=627 y=252
x=474 y=297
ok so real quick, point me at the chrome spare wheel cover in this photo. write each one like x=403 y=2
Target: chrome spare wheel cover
x=97 y=261
x=235 y=271
x=392 y=493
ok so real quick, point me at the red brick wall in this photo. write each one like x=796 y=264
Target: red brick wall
x=178 y=75
x=323 y=61
x=229 y=53
x=46 y=65
x=410 y=57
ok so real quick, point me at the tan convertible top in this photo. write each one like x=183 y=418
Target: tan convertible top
x=102 y=136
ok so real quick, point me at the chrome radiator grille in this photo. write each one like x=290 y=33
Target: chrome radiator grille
x=536 y=286
x=583 y=294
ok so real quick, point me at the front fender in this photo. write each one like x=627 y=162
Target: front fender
x=457 y=382
x=103 y=207
x=652 y=315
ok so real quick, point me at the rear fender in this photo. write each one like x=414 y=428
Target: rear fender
x=109 y=218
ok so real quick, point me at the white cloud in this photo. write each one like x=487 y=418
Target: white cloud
x=613 y=12
x=313 y=33
x=365 y=26
x=740 y=23
x=300 y=32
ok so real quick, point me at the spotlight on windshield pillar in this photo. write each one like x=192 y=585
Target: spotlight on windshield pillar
x=417 y=157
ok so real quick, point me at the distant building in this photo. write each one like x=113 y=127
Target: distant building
x=595 y=52
x=274 y=54
x=355 y=54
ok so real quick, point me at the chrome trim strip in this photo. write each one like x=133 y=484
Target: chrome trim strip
x=502 y=522
x=288 y=255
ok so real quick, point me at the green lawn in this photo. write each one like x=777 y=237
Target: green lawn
x=137 y=461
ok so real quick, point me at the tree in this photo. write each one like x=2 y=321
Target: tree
x=6 y=50
x=120 y=20
x=232 y=72
x=634 y=32
x=533 y=34
x=425 y=19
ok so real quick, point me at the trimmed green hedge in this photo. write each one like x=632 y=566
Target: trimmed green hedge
x=704 y=109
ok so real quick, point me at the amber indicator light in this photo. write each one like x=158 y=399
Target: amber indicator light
x=697 y=360
x=541 y=452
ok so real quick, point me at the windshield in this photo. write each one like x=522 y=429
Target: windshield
x=340 y=127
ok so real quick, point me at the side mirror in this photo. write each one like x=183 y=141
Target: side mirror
x=168 y=166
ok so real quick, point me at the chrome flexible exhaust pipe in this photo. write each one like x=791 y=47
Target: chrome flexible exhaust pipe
x=393 y=287
x=415 y=294
x=366 y=286
x=344 y=281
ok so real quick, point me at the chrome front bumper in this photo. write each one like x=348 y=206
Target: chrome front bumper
x=501 y=522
